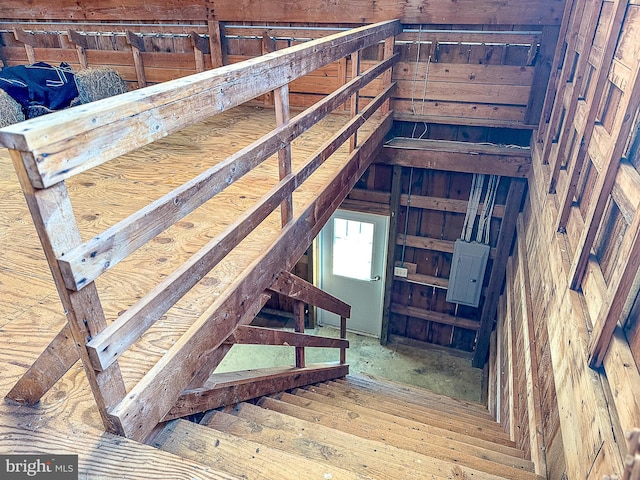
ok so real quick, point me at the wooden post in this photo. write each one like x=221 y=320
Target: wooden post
x=396 y=188
x=342 y=75
x=29 y=41
x=298 y=311
x=200 y=48
x=215 y=43
x=268 y=46
x=355 y=71
x=389 y=46
x=343 y=335
x=80 y=42
x=541 y=74
x=137 y=46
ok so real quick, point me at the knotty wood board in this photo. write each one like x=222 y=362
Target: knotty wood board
x=30 y=309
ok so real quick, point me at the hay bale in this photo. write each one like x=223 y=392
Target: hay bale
x=98 y=83
x=10 y=110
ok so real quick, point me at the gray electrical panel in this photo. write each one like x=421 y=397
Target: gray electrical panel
x=467 y=272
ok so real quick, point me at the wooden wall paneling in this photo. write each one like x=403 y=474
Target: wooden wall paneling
x=614 y=20
x=541 y=74
x=28 y=40
x=505 y=239
x=621 y=131
x=394 y=225
x=575 y=69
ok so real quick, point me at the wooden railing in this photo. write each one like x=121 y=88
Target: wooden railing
x=49 y=150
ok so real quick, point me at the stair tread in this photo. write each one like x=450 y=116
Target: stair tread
x=483 y=418
x=439 y=430
x=413 y=393
x=488 y=430
x=362 y=456
x=239 y=457
x=375 y=429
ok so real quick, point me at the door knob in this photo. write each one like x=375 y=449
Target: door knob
x=375 y=279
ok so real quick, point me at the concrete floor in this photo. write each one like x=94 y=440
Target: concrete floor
x=434 y=370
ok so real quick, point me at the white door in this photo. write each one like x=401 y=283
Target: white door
x=352 y=251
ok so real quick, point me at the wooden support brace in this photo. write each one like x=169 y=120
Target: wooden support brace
x=80 y=41
x=137 y=45
x=249 y=335
x=496 y=279
x=29 y=41
x=294 y=287
x=200 y=49
x=389 y=46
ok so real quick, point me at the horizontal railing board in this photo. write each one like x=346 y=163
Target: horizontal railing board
x=248 y=335
x=138 y=118
x=432 y=316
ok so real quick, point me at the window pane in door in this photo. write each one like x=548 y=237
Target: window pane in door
x=352 y=248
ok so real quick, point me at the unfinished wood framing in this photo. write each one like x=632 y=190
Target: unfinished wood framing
x=134 y=413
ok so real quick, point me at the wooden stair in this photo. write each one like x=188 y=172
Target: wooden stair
x=350 y=428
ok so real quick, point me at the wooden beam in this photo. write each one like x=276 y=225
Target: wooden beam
x=137 y=45
x=458 y=157
x=161 y=110
x=432 y=316
x=224 y=389
x=396 y=191
x=446 y=204
x=248 y=335
x=215 y=43
x=427 y=243
x=281 y=100
x=496 y=279
x=294 y=287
